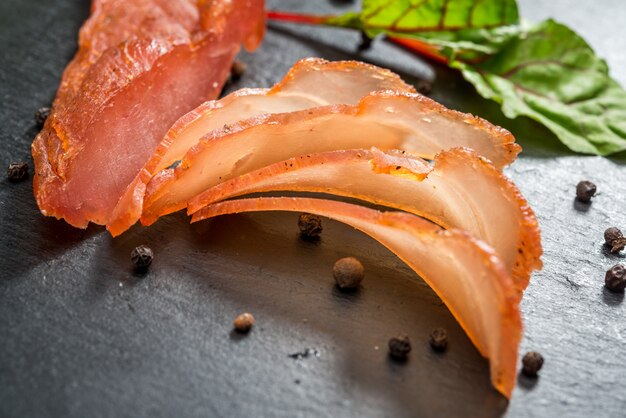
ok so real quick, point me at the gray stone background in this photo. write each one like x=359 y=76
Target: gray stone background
x=80 y=335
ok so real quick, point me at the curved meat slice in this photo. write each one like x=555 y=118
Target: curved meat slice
x=310 y=82
x=465 y=273
x=387 y=120
x=141 y=64
x=462 y=190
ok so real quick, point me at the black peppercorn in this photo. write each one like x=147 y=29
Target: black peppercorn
x=141 y=257
x=585 y=190
x=41 y=115
x=614 y=239
x=399 y=347
x=237 y=70
x=439 y=339
x=17 y=171
x=348 y=273
x=615 y=278
x=532 y=363
x=310 y=226
x=243 y=322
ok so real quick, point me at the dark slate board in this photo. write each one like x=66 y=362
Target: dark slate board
x=80 y=335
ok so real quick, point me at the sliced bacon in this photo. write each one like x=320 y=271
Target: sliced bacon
x=310 y=82
x=141 y=64
x=462 y=190
x=465 y=273
x=387 y=120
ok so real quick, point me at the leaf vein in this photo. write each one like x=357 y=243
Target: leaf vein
x=377 y=11
x=527 y=64
x=405 y=12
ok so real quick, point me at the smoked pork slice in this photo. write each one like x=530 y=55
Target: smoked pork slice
x=462 y=190
x=310 y=82
x=141 y=64
x=465 y=273
x=386 y=120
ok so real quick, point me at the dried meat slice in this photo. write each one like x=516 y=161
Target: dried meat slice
x=465 y=273
x=310 y=82
x=386 y=120
x=462 y=190
x=141 y=64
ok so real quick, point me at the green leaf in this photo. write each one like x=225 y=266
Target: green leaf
x=414 y=16
x=552 y=75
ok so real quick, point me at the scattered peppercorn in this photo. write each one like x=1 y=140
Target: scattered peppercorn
x=17 y=171
x=439 y=339
x=399 y=347
x=585 y=190
x=615 y=278
x=366 y=42
x=532 y=363
x=348 y=273
x=243 y=322
x=614 y=238
x=41 y=115
x=310 y=226
x=141 y=257
x=237 y=70
x=424 y=87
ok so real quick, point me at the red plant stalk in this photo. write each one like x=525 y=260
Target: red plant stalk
x=421 y=48
x=296 y=18
x=414 y=45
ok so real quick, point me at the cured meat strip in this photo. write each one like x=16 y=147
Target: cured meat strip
x=465 y=273
x=387 y=120
x=141 y=64
x=462 y=190
x=310 y=82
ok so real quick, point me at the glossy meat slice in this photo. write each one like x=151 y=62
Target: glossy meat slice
x=387 y=120
x=462 y=190
x=141 y=64
x=310 y=82
x=465 y=273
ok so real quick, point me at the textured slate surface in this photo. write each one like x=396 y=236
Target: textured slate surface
x=80 y=335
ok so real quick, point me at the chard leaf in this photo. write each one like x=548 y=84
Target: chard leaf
x=415 y=16
x=552 y=75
